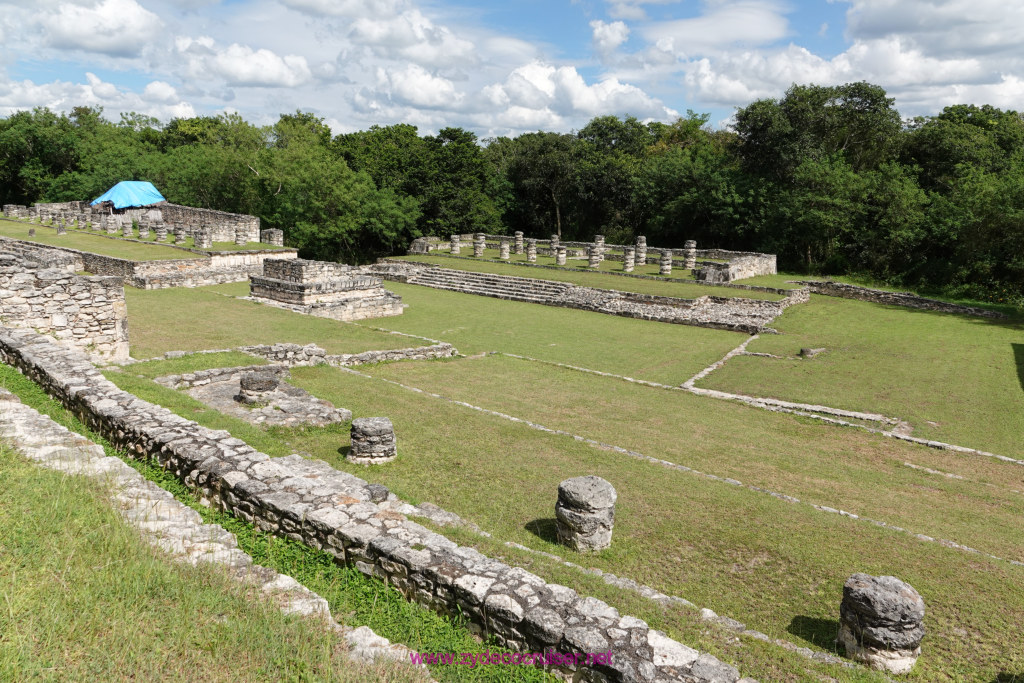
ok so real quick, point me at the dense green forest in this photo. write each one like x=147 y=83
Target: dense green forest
x=829 y=178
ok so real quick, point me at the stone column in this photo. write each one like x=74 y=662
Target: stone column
x=554 y=243
x=690 y=252
x=518 y=244
x=373 y=441
x=144 y=230
x=594 y=256
x=479 y=241
x=179 y=235
x=126 y=229
x=599 y=243
x=641 y=250
x=241 y=235
x=31 y=232
x=456 y=245
x=531 y=250
x=560 y=256
x=161 y=232
x=881 y=622
x=203 y=238
x=272 y=236
x=503 y=249
x=585 y=513
x=665 y=262
x=254 y=387
x=110 y=225
x=628 y=259
x=61 y=230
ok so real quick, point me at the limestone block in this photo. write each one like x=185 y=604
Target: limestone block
x=585 y=513
x=881 y=622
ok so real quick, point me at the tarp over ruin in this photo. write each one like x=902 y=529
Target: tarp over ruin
x=128 y=193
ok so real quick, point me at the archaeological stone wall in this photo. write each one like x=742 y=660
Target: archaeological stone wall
x=224 y=224
x=87 y=313
x=41 y=255
x=311 y=354
x=878 y=296
x=364 y=526
x=739 y=266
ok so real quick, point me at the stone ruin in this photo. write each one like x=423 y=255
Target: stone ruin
x=373 y=441
x=585 y=513
x=323 y=289
x=881 y=622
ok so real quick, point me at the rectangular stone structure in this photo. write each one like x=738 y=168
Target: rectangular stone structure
x=272 y=236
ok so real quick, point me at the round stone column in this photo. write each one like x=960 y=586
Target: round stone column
x=126 y=229
x=179 y=235
x=161 y=232
x=690 y=252
x=555 y=241
x=373 y=441
x=560 y=256
x=628 y=259
x=253 y=387
x=503 y=248
x=594 y=256
x=456 y=245
x=531 y=250
x=665 y=262
x=203 y=238
x=599 y=243
x=641 y=250
x=881 y=622
x=479 y=241
x=585 y=513
x=518 y=246
x=144 y=230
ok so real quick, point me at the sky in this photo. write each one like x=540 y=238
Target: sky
x=498 y=68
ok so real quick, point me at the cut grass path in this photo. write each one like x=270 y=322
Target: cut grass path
x=958 y=379
x=681 y=288
x=659 y=352
x=179 y=319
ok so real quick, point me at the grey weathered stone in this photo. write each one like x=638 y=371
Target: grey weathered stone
x=503 y=248
x=585 y=513
x=665 y=262
x=531 y=251
x=881 y=622
x=560 y=254
x=690 y=254
x=518 y=242
x=456 y=247
x=373 y=441
x=593 y=256
x=628 y=259
x=479 y=242
x=641 y=250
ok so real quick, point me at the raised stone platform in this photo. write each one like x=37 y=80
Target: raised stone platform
x=326 y=290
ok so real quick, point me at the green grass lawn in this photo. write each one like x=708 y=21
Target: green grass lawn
x=955 y=378
x=86 y=599
x=681 y=285
x=179 y=319
x=660 y=352
x=92 y=242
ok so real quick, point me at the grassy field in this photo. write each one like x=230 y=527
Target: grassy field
x=163 y=320
x=91 y=242
x=681 y=285
x=954 y=378
x=86 y=599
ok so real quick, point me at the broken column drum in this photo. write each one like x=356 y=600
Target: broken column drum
x=254 y=387
x=665 y=263
x=585 y=513
x=531 y=250
x=628 y=259
x=456 y=245
x=373 y=441
x=881 y=622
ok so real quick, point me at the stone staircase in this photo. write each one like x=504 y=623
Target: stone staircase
x=487 y=284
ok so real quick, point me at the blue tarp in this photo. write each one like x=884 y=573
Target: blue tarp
x=131 y=193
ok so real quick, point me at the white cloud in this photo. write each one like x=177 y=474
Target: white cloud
x=416 y=87
x=727 y=24
x=412 y=36
x=63 y=96
x=633 y=9
x=159 y=91
x=348 y=8
x=608 y=37
x=114 y=27
x=240 y=65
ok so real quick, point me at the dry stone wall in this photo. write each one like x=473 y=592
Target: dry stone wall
x=878 y=296
x=87 y=313
x=45 y=257
x=364 y=526
x=311 y=354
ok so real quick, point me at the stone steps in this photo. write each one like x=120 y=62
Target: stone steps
x=487 y=284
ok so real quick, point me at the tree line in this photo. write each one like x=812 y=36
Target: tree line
x=830 y=178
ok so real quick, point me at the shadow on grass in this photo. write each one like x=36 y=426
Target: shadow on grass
x=819 y=632
x=344 y=451
x=544 y=529
x=1018 y=353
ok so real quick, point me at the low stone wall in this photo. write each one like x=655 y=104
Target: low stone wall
x=311 y=354
x=203 y=377
x=87 y=313
x=737 y=268
x=363 y=526
x=46 y=257
x=222 y=223
x=878 y=296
